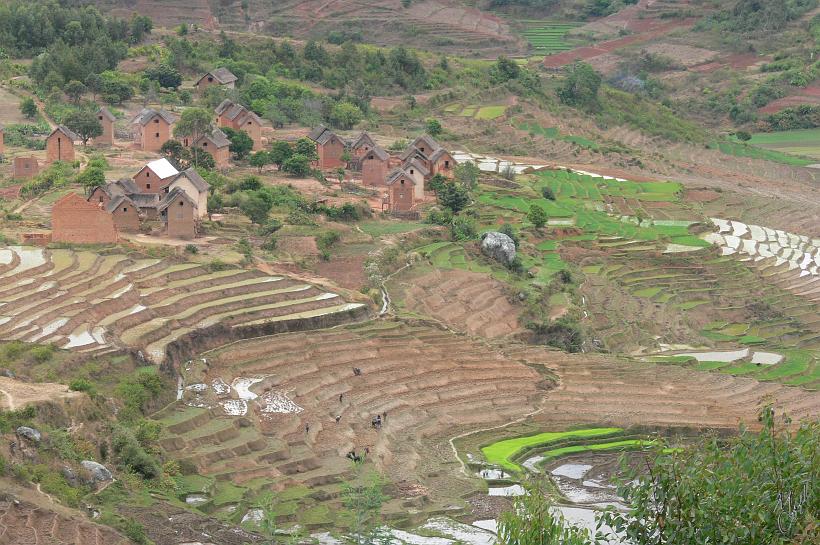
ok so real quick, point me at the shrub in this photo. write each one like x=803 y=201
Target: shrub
x=191 y=249
x=82 y=385
x=565 y=334
x=439 y=217
x=548 y=193
x=269 y=244
x=270 y=227
x=218 y=265
x=42 y=354
x=132 y=455
x=463 y=229
x=135 y=531
x=509 y=230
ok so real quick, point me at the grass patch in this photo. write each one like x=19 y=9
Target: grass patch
x=738 y=149
x=501 y=452
x=490 y=112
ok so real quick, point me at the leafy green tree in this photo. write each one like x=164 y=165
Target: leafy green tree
x=193 y=123
x=548 y=193
x=165 y=75
x=140 y=26
x=453 y=196
x=297 y=165
x=756 y=488
x=533 y=521
x=306 y=147
x=256 y=207
x=114 y=87
x=434 y=127
x=260 y=159
x=580 y=88
x=75 y=90
x=436 y=182
x=28 y=108
x=466 y=174
x=537 y=216
x=84 y=123
x=92 y=177
x=743 y=136
x=177 y=154
x=504 y=69
x=340 y=174
x=345 y=115
x=202 y=159
x=280 y=152
x=93 y=83
x=241 y=142
x=363 y=500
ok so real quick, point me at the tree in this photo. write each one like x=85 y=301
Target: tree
x=504 y=69
x=436 y=182
x=241 y=142
x=306 y=147
x=93 y=83
x=340 y=173
x=580 y=88
x=453 y=196
x=533 y=521
x=84 y=123
x=467 y=173
x=75 y=90
x=755 y=488
x=548 y=193
x=202 y=159
x=256 y=207
x=176 y=153
x=92 y=177
x=743 y=136
x=260 y=159
x=165 y=75
x=280 y=152
x=215 y=203
x=363 y=500
x=434 y=127
x=537 y=216
x=140 y=26
x=345 y=115
x=193 y=123
x=297 y=165
x=28 y=108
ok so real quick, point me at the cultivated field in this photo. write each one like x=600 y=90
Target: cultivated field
x=804 y=142
x=92 y=302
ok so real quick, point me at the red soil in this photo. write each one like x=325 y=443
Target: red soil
x=739 y=61
x=809 y=95
x=700 y=195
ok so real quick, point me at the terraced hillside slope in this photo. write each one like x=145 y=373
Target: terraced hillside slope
x=94 y=303
x=24 y=523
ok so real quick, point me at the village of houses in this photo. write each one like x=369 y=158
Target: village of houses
x=172 y=204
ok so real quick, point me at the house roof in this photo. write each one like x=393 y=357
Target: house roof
x=412 y=152
x=221 y=74
x=438 y=153
x=127 y=185
x=162 y=168
x=224 y=105
x=379 y=153
x=394 y=176
x=322 y=135
x=418 y=165
x=118 y=201
x=217 y=138
x=363 y=139
x=147 y=114
x=426 y=140
x=106 y=113
x=198 y=181
x=171 y=197
x=145 y=200
x=66 y=131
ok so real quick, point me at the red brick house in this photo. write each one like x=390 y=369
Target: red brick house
x=221 y=76
x=237 y=117
x=153 y=177
x=401 y=191
x=25 y=168
x=329 y=147
x=374 y=166
x=417 y=170
x=363 y=144
x=436 y=159
x=442 y=162
x=217 y=144
x=195 y=186
x=75 y=220
x=151 y=128
x=124 y=212
x=179 y=214
x=60 y=145
x=106 y=119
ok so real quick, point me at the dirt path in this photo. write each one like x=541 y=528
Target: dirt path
x=19 y=394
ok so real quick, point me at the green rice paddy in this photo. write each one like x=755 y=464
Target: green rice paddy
x=739 y=149
x=804 y=142
x=478 y=112
x=555 y=134
x=501 y=453
x=490 y=112
x=547 y=37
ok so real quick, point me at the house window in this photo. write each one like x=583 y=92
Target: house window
x=157 y=135
x=147 y=186
x=157 y=121
x=125 y=209
x=210 y=79
x=249 y=123
x=99 y=117
x=181 y=203
x=411 y=172
x=147 y=174
x=422 y=150
x=446 y=164
x=204 y=144
x=101 y=199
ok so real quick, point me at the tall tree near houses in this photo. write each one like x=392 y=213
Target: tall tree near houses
x=193 y=123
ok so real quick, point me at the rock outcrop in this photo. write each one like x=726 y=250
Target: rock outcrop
x=499 y=247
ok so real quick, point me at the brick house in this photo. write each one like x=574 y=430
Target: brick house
x=420 y=174
x=363 y=144
x=435 y=158
x=221 y=76
x=25 y=167
x=195 y=187
x=237 y=117
x=329 y=147
x=153 y=177
x=374 y=166
x=75 y=220
x=146 y=203
x=125 y=214
x=106 y=119
x=217 y=144
x=60 y=145
x=179 y=214
x=442 y=162
x=151 y=128
x=401 y=191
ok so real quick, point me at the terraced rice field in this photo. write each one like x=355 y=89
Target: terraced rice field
x=427 y=382
x=554 y=134
x=95 y=303
x=768 y=153
x=547 y=37
x=477 y=112
x=803 y=142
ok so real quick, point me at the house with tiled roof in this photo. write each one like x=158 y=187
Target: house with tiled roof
x=237 y=117
x=179 y=214
x=106 y=119
x=151 y=128
x=221 y=76
x=329 y=146
x=401 y=188
x=217 y=144
x=195 y=186
x=60 y=145
x=374 y=165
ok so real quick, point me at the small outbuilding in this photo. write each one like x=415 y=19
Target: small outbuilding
x=221 y=77
x=75 y=220
x=329 y=146
x=60 y=145
x=106 y=119
x=152 y=128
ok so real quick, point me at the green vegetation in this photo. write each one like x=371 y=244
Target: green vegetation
x=805 y=142
x=547 y=37
x=503 y=452
x=751 y=149
x=554 y=133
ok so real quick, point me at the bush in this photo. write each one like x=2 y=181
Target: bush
x=565 y=334
x=509 y=230
x=82 y=385
x=42 y=354
x=548 y=193
x=270 y=227
x=439 y=217
x=132 y=455
x=269 y=244
x=191 y=249
x=135 y=531
x=218 y=265
x=463 y=229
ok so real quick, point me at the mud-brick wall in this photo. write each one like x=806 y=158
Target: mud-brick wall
x=330 y=154
x=59 y=148
x=401 y=195
x=77 y=221
x=374 y=172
